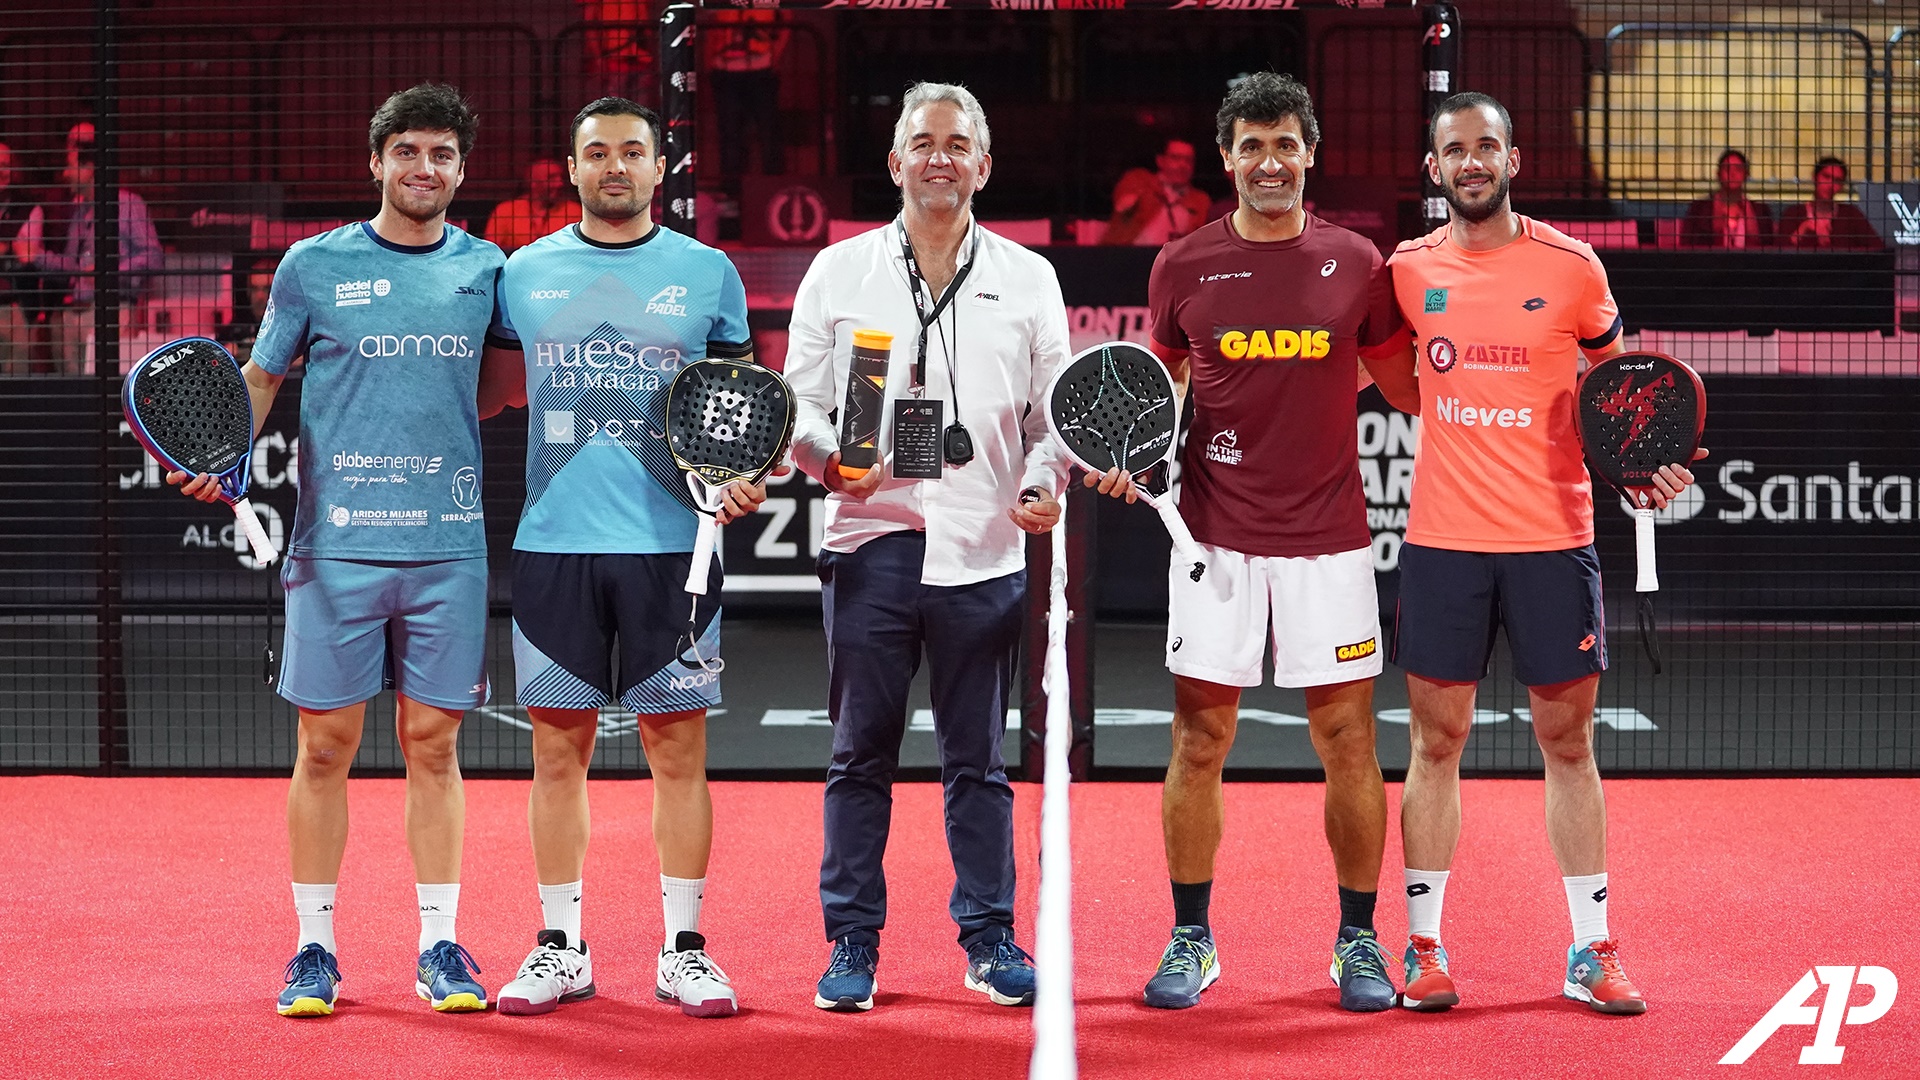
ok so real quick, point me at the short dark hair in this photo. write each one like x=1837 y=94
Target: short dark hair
x=1830 y=161
x=1730 y=153
x=426 y=107
x=615 y=106
x=1461 y=102
x=1265 y=97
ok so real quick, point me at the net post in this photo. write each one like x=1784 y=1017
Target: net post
x=115 y=752
x=1082 y=526
x=1439 y=77
x=679 y=89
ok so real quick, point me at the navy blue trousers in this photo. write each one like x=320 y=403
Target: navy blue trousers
x=879 y=620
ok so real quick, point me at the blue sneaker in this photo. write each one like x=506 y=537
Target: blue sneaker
x=313 y=983
x=443 y=980
x=1001 y=970
x=848 y=984
x=1360 y=971
x=1189 y=965
x=1595 y=977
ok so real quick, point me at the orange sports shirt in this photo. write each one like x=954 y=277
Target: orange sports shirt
x=1498 y=336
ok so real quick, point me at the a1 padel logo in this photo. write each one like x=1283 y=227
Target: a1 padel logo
x=1793 y=1011
x=1249 y=343
x=667 y=301
x=1359 y=650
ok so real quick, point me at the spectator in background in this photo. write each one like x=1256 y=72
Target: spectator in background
x=245 y=329
x=1151 y=208
x=1824 y=224
x=542 y=210
x=15 y=289
x=620 y=49
x=59 y=241
x=1727 y=218
x=745 y=47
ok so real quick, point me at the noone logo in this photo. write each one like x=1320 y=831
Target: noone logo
x=550 y=294
x=1826 y=1018
x=692 y=681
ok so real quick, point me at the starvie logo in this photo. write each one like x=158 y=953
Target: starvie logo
x=1793 y=1010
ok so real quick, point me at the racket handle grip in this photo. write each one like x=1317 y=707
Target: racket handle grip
x=1184 y=549
x=851 y=472
x=1646 y=580
x=256 y=536
x=702 y=555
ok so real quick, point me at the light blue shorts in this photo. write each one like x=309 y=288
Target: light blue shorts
x=350 y=623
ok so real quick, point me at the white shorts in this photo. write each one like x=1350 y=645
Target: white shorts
x=1324 y=611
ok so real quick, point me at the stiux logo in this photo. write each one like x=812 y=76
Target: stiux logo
x=1640 y=404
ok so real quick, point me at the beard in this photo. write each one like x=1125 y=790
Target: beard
x=418 y=208
x=1268 y=203
x=617 y=207
x=1475 y=213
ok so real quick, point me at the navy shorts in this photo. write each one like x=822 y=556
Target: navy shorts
x=1452 y=603
x=572 y=612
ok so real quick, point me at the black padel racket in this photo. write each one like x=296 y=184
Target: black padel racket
x=727 y=420
x=1113 y=405
x=1640 y=411
x=188 y=405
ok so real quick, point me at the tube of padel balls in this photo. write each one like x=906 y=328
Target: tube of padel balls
x=866 y=392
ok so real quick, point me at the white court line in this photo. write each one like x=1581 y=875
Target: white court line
x=922 y=720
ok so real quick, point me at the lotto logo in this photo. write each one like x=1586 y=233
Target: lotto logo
x=1793 y=1011
x=1238 y=343
x=1359 y=650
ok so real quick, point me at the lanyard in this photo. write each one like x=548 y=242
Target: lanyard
x=933 y=318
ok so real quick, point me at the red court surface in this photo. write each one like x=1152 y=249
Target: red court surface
x=147 y=921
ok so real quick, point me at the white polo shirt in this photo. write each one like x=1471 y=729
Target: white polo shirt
x=1011 y=328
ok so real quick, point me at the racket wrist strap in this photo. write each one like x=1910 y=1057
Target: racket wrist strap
x=702 y=555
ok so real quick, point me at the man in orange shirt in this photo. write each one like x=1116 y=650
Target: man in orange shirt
x=1500 y=532
x=543 y=210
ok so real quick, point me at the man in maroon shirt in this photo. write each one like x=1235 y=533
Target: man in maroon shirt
x=1262 y=317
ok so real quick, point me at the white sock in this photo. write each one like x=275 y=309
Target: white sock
x=439 y=905
x=1587 y=903
x=680 y=902
x=560 y=910
x=1426 y=893
x=314 y=905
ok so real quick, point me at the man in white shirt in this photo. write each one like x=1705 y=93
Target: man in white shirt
x=935 y=562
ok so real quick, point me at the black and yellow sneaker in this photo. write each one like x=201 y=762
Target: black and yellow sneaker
x=1187 y=967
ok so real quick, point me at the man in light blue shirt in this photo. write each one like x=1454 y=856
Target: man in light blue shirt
x=387 y=567
x=606 y=312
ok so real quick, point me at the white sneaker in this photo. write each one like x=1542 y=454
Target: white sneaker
x=553 y=974
x=689 y=976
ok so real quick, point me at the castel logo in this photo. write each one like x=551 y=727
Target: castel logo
x=667 y=301
x=1250 y=343
x=1511 y=358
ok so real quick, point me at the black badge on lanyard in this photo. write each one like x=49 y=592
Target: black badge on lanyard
x=956 y=444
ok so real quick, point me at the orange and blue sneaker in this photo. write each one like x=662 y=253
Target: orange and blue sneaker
x=443 y=981
x=1429 y=987
x=313 y=983
x=1594 y=976
x=1360 y=971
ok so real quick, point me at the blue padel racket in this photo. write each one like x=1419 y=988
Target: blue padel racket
x=1113 y=405
x=727 y=420
x=188 y=404
x=1640 y=411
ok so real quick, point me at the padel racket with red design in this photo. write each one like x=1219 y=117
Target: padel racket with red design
x=1113 y=405
x=188 y=404
x=1640 y=411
